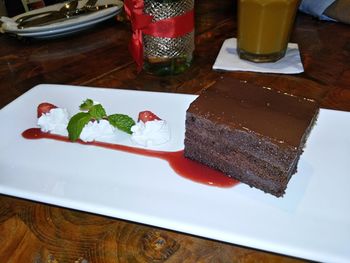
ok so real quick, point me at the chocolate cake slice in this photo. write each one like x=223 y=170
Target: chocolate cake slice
x=253 y=134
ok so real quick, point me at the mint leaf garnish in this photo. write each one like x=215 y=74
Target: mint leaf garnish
x=122 y=122
x=76 y=125
x=86 y=105
x=97 y=112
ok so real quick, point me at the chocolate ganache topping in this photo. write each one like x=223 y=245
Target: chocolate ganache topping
x=281 y=117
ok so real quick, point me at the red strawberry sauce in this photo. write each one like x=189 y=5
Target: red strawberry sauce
x=185 y=167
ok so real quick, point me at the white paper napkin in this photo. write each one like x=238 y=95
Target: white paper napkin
x=228 y=59
x=6 y=23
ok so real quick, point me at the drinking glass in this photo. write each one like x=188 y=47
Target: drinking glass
x=264 y=28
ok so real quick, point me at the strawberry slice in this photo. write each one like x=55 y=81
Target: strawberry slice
x=147 y=115
x=44 y=107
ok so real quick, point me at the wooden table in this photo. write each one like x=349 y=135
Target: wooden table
x=35 y=232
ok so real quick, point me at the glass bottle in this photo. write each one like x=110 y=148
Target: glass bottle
x=164 y=55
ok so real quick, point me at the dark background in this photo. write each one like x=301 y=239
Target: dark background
x=15 y=7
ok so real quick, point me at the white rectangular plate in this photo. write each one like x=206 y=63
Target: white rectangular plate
x=311 y=221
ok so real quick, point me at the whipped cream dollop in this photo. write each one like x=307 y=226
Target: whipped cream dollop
x=100 y=130
x=151 y=133
x=55 y=121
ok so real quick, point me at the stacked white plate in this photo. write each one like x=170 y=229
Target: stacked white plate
x=64 y=27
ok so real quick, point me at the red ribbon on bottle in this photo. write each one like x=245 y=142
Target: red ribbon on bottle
x=142 y=24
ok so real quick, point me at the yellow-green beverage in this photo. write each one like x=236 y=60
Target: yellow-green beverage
x=264 y=28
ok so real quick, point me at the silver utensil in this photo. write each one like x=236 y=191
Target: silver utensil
x=66 y=9
x=51 y=19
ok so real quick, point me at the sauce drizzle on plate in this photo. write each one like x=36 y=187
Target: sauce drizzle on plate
x=183 y=166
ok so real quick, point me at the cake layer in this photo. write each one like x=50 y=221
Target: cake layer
x=246 y=169
x=222 y=154
x=253 y=134
x=239 y=140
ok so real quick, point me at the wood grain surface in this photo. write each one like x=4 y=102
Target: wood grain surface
x=35 y=232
